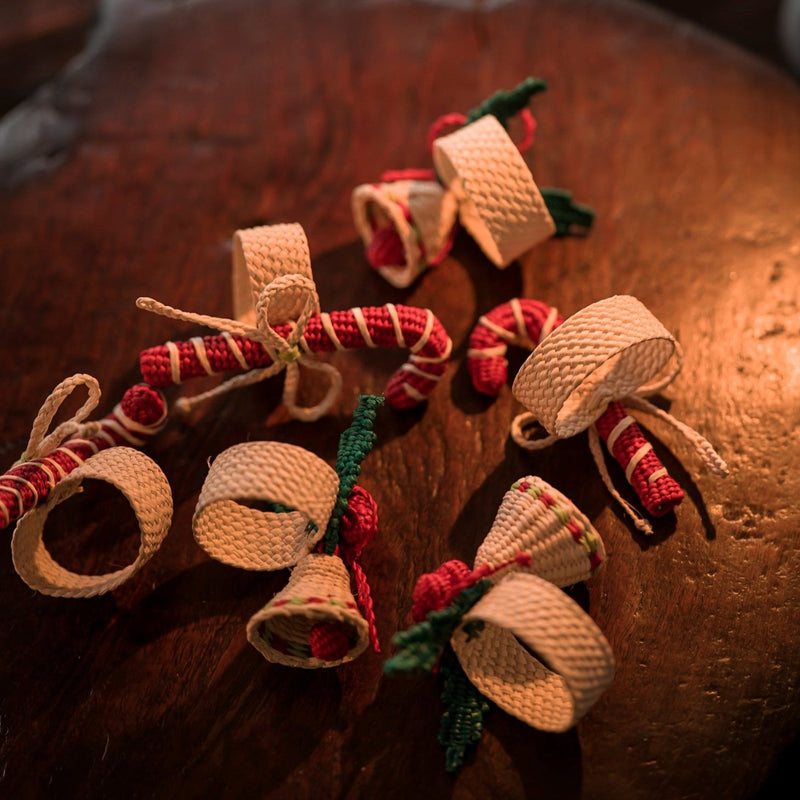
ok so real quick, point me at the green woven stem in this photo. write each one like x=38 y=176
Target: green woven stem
x=422 y=644
x=505 y=104
x=354 y=446
x=461 y=726
x=566 y=212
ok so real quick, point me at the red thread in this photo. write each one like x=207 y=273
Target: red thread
x=141 y=403
x=386 y=248
x=329 y=641
x=489 y=373
x=412 y=174
x=402 y=390
x=359 y=525
x=453 y=120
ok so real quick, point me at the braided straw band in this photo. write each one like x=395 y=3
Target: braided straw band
x=146 y=489
x=260 y=255
x=283 y=474
x=417 y=215
x=536 y=519
x=525 y=614
x=317 y=602
x=499 y=203
x=605 y=352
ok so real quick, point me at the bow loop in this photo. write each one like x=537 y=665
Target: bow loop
x=40 y=442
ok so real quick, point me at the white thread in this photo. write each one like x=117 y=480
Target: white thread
x=87 y=442
x=74 y=456
x=659 y=473
x=624 y=423
x=412 y=392
x=426 y=333
x=516 y=310
x=6 y=513
x=106 y=437
x=137 y=427
x=548 y=323
x=200 y=352
x=635 y=459
x=174 y=362
x=327 y=326
x=61 y=471
x=448 y=349
x=507 y=336
x=18 y=495
x=398 y=331
x=235 y=350
x=24 y=482
x=489 y=352
x=121 y=431
x=51 y=479
x=361 y=324
x=408 y=367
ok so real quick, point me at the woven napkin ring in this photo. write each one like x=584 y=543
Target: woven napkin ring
x=481 y=628
x=289 y=328
x=317 y=520
x=524 y=323
x=585 y=373
x=55 y=464
x=407 y=220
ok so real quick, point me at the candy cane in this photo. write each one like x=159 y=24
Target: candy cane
x=384 y=326
x=525 y=323
x=140 y=414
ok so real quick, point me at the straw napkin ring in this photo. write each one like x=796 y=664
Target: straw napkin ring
x=279 y=325
x=54 y=466
x=318 y=521
x=607 y=357
x=407 y=220
x=504 y=630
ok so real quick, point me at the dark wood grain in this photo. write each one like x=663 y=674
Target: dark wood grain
x=188 y=121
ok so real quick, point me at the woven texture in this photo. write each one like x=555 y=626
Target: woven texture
x=140 y=414
x=146 y=489
x=415 y=329
x=525 y=614
x=260 y=255
x=536 y=519
x=419 y=216
x=499 y=202
x=605 y=352
x=283 y=474
x=316 y=604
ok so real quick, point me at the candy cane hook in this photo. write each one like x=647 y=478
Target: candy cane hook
x=525 y=323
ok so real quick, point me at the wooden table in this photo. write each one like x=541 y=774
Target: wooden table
x=184 y=122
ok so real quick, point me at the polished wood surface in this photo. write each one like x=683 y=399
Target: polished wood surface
x=184 y=122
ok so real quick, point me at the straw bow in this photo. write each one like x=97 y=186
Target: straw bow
x=285 y=353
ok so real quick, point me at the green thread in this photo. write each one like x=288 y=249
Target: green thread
x=461 y=726
x=290 y=355
x=422 y=644
x=566 y=213
x=354 y=446
x=506 y=103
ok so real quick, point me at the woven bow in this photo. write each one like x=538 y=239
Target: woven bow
x=285 y=353
x=470 y=622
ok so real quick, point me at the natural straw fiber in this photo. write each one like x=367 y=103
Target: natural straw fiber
x=316 y=599
x=260 y=255
x=302 y=484
x=523 y=615
x=422 y=214
x=499 y=202
x=536 y=519
x=146 y=489
x=607 y=351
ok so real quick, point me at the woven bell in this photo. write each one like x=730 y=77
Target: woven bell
x=410 y=221
x=314 y=621
x=498 y=201
x=536 y=519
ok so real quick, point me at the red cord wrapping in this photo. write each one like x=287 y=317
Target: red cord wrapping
x=490 y=373
x=405 y=389
x=140 y=404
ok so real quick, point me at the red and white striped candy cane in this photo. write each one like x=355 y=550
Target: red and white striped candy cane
x=416 y=329
x=525 y=323
x=140 y=414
